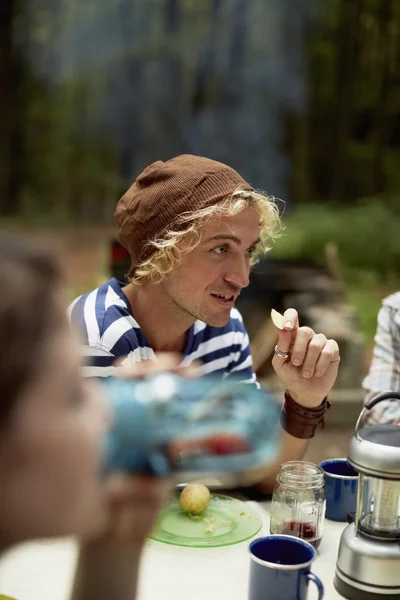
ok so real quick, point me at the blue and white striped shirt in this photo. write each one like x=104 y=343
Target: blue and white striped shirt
x=109 y=331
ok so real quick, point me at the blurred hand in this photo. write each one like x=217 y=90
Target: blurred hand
x=132 y=502
x=310 y=371
x=111 y=545
x=133 y=506
x=166 y=361
x=108 y=562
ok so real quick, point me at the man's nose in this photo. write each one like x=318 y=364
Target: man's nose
x=239 y=275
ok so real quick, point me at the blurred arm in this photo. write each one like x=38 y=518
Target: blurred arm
x=108 y=564
x=106 y=570
x=384 y=372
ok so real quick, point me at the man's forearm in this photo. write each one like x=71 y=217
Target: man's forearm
x=292 y=448
x=107 y=570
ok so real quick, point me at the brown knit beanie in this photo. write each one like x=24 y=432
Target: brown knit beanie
x=163 y=192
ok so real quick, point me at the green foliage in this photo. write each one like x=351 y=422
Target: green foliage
x=368 y=242
x=367 y=299
x=105 y=88
x=359 y=169
x=366 y=235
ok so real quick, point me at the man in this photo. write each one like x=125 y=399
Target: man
x=193 y=228
x=384 y=372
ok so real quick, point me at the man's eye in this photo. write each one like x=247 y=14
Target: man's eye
x=250 y=251
x=219 y=249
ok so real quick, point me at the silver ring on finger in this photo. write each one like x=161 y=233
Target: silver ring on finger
x=280 y=353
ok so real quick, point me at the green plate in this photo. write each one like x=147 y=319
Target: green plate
x=226 y=521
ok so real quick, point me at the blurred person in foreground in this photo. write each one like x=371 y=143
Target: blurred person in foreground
x=193 y=228
x=384 y=372
x=52 y=428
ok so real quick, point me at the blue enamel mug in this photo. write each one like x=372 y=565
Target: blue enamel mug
x=341 y=485
x=281 y=569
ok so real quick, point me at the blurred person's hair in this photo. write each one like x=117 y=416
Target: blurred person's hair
x=186 y=232
x=30 y=281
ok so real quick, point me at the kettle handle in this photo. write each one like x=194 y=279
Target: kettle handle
x=374 y=401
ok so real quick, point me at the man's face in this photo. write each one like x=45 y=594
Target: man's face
x=51 y=451
x=209 y=279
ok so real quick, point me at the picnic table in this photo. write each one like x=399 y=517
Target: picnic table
x=43 y=570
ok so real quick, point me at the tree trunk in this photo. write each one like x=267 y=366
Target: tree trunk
x=8 y=102
x=380 y=127
x=238 y=38
x=202 y=76
x=346 y=62
x=172 y=16
x=301 y=187
x=205 y=64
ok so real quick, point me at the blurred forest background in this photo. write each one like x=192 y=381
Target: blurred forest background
x=301 y=96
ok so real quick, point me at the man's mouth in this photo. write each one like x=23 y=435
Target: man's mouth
x=225 y=298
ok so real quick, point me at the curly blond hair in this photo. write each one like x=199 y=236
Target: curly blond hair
x=185 y=233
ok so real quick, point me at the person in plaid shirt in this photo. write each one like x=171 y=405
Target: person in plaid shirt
x=384 y=372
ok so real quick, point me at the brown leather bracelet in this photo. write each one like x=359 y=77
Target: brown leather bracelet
x=302 y=422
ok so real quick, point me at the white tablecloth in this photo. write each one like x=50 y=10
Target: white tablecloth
x=43 y=571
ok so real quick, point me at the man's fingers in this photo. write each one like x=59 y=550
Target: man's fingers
x=125 y=489
x=329 y=355
x=284 y=341
x=309 y=350
x=312 y=354
x=189 y=371
x=303 y=337
x=166 y=361
x=133 y=519
x=290 y=319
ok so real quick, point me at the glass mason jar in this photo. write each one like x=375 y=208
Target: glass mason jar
x=298 y=502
